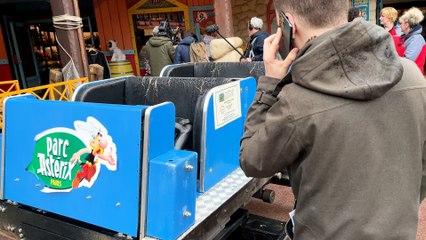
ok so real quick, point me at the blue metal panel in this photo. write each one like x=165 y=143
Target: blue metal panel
x=222 y=145
x=171 y=190
x=112 y=201
x=159 y=130
x=171 y=194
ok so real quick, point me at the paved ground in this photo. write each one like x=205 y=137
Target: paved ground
x=284 y=202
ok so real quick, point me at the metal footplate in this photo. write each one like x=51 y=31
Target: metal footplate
x=214 y=207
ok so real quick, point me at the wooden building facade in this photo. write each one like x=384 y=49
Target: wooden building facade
x=130 y=22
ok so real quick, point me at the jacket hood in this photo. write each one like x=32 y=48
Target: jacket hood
x=187 y=41
x=157 y=41
x=357 y=61
x=415 y=30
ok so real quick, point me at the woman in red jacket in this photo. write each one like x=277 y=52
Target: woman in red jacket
x=388 y=17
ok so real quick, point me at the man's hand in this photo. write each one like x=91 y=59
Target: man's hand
x=246 y=60
x=276 y=68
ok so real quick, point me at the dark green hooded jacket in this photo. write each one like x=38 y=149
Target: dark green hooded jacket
x=159 y=52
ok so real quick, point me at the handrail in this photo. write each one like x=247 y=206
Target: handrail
x=11 y=85
x=62 y=91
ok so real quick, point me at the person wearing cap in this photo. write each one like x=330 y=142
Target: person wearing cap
x=159 y=51
x=254 y=50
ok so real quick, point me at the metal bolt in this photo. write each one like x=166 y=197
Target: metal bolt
x=17 y=179
x=2 y=209
x=187 y=214
x=118 y=204
x=188 y=167
x=21 y=235
x=20 y=230
x=89 y=197
x=38 y=185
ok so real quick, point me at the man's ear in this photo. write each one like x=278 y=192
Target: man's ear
x=293 y=23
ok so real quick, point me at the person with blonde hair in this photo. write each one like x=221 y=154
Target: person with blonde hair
x=412 y=32
x=388 y=17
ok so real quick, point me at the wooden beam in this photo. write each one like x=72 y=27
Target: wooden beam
x=223 y=17
x=69 y=39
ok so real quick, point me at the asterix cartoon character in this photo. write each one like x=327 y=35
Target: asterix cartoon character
x=100 y=150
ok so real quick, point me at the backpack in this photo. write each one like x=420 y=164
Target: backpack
x=198 y=52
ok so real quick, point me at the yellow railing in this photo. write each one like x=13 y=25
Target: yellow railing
x=56 y=91
x=10 y=85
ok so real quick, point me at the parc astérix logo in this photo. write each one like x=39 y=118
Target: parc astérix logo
x=65 y=159
x=51 y=160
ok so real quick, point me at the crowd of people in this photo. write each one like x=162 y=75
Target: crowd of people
x=160 y=51
x=406 y=31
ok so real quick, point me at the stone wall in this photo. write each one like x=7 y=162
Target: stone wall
x=242 y=11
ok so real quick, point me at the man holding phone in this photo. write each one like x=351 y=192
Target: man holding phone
x=254 y=50
x=347 y=121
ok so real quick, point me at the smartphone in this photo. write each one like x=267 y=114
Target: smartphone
x=287 y=35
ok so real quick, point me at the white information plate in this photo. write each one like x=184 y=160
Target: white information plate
x=226 y=103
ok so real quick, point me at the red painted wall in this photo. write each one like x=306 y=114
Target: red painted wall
x=113 y=23
x=5 y=73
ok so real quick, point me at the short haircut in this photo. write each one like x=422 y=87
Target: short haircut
x=353 y=13
x=155 y=31
x=412 y=16
x=317 y=13
x=389 y=12
x=256 y=23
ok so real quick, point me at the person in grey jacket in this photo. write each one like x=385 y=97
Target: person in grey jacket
x=350 y=127
x=412 y=32
x=159 y=51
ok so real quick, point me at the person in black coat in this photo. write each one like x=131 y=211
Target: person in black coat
x=254 y=50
